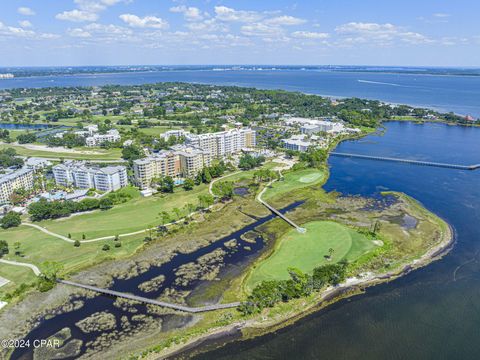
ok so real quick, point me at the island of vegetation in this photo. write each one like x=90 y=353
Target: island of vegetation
x=203 y=238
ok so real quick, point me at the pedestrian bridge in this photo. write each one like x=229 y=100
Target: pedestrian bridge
x=408 y=161
x=144 y=300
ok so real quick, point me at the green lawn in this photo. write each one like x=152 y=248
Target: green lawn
x=307 y=251
x=111 y=154
x=38 y=247
x=16 y=274
x=156 y=130
x=137 y=214
x=294 y=180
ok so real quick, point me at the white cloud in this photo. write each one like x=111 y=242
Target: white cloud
x=87 y=10
x=77 y=16
x=80 y=33
x=12 y=31
x=25 y=24
x=379 y=34
x=23 y=10
x=441 y=15
x=190 y=13
x=209 y=25
x=231 y=15
x=260 y=29
x=145 y=22
x=310 y=35
x=285 y=20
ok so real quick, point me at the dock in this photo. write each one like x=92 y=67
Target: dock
x=408 y=161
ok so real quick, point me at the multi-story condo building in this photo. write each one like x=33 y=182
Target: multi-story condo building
x=165 y=163
x=79 y=175
x=98 y=139
x=223 y=143
x=18 y=179
x=181 y=160
x=192 y=160
x=297 y=143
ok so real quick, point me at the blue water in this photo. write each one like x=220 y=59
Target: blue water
x=11 y=126
x=432 y=313
x=459 y=94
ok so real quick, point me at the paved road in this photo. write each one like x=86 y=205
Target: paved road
x=35 y=269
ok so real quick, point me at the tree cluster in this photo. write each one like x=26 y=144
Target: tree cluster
x=44 y=209
x=8 y=158
x=248 y=161
x=268 y=293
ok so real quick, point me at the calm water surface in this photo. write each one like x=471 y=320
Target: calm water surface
x=459 y=94
x=432 y=313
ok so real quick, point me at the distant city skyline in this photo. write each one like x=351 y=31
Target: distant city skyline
x=343 y=32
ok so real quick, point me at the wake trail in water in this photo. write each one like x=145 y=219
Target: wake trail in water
x=381 y=83
x=462 y=265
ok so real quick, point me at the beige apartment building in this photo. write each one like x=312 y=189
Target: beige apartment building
x=192 y=160
x=18 y=179
x=166 y=163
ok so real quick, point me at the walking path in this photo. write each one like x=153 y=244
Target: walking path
x=210 y=188
x=35 y=269
x=151 y=301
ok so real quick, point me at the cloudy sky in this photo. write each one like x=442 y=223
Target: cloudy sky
x=118 y=32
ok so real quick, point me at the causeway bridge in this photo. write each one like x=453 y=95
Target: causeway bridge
x=144 y=300
x=408 y=161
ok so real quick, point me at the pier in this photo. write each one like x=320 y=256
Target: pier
x=408 y=161
x=144 y=300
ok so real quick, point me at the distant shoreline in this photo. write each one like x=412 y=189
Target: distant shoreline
x=236 y=68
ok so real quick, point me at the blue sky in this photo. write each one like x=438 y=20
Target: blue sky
x=357 y=32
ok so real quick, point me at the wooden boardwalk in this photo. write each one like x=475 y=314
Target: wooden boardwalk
x=408 y=161
x=144 y=300
x=275 y=211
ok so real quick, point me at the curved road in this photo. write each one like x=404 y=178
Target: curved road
x=35 y=269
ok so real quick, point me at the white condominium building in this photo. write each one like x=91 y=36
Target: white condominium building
x=297 y=143
x=79 y=175
x=223 y=143
x=98 y=139
x=177 y=133
x=18 y=179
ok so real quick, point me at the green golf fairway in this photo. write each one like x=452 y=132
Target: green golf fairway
x=309 y=250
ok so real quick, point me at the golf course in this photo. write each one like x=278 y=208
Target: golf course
x=294 y=180
x=325 y=242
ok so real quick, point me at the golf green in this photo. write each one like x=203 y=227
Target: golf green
x=294 y=180
x=311 y=249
